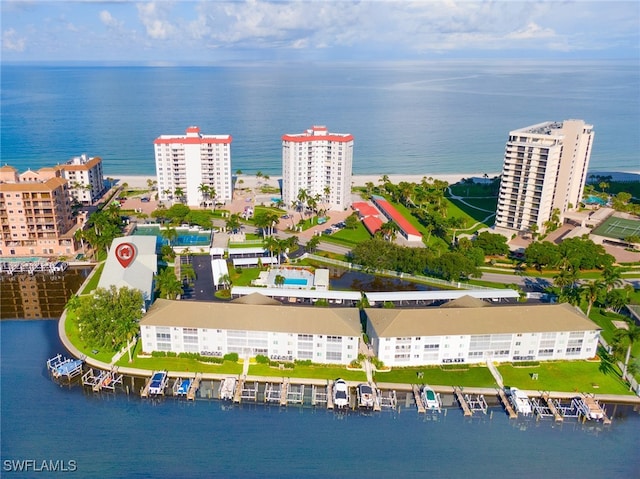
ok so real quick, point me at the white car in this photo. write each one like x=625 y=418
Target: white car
x=340 y=394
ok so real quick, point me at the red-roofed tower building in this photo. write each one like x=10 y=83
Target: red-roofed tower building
x=320 y=163
x=190 y=160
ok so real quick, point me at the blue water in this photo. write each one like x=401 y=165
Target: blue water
x=183 y=238
x=418 y=118
x=595 y=199
x=123 y=436
x=295 y=281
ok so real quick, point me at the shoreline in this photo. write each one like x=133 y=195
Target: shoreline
x=252 y=181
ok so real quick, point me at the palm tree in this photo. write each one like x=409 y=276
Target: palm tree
x=302 y=198
x=565 y=278
x=170 y=234
x=167 y=284
x=279 y=280
x=312 y=244
x=179 y=193
x=627 y=337
x=225 y=280
x=591 y=291
x=203 y=188
x=233 y=222
x=272 y=245
x=79 y=236
x=389 y=230
x=611 y=277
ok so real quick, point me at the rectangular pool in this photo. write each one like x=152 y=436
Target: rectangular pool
x=295 y=281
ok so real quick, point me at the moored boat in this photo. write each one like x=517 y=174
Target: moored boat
x=520 y=402
x=340 y=394
x=227 y=388
x=158 y=383
x=365 y=396
x=430 y=399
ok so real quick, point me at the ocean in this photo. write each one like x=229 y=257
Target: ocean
x=407 y=118
x=118 y=436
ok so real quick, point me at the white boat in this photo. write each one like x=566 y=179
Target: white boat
x=430 y=399
x=365 y=396
x=340 y=394
x=520 y=402
x=227 y=388
x=158 y=383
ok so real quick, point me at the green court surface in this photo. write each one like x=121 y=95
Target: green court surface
x=619 y=228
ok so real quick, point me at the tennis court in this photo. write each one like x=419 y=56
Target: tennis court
x=619 y=228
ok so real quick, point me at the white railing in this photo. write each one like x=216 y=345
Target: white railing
x=396 y=274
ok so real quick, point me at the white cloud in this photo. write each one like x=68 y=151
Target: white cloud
x=109 y=20
x=532 y=30
x=153 y=17
x=12 y=42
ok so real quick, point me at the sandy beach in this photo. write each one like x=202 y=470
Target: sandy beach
x=251 y=181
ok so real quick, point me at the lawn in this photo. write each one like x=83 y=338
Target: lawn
x=95 y=279
x=181 y=364
x=71 y=328
x=244 y=277
x=472 y=215
x=348 y=237
x=315 y=372
x=474 y=376
x=569 y=376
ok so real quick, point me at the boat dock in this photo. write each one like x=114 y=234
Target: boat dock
x=330 y=404
x=457 y=393
x=387 y=399
x=376 y=398
x=552 y=408
x=319 y=395
x=590 y=409
x=144 y=393
x=273 y=393
x=193 y=387
x=32 y=267
x=416 y=396
x=227 y=389
x=507 y=404
x=284 y=390
x=237 y=396
x=61 y=367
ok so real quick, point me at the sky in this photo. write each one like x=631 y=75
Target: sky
x=217 y=32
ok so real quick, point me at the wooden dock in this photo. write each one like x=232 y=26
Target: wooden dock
x=193 y=387
x=376 y=398
x=457 y=392
x=144 y=393
x=237 y=396
x=552 y=407
x=284 y=389
x=418 y=399
x=330 y=395
x=507 y=404
x=595 y=409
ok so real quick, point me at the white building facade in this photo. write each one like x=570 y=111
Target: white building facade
x=545 y=168
x=285 y=332
x=416 y=337
x=85 y=177
x=320 y=163
x=187 y=162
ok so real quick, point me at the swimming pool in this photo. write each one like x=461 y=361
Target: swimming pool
x=295 y=281
x=592 y=200
x=185 y=236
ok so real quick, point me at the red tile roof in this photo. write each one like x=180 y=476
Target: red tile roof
x=372 y=223
x=364 y=209
x=395 y=215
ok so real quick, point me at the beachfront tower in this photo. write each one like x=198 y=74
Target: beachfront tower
x=188 y=162
x=319 y=163
x=545 y=169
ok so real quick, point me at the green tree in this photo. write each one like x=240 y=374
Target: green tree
x=627 y=338
x=233 y=223
x=312 y=244
x=108 y=319
x=491 y=244
x=170 y=234
x=612 y=277
x=351 y=222
x=591 y=291
x=167 y=284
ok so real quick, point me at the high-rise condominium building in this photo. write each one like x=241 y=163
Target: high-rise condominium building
x=187 y=163
x=320 y=163
x=85 y=177
x=545 y=169
x=35 y=214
